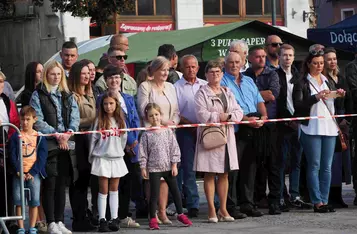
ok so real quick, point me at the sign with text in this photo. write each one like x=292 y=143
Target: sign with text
x=342 y=38
x=146 y=27
x=218 y=46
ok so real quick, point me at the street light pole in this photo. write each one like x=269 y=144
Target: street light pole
x=273 y=12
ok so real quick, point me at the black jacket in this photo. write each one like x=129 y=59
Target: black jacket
x=282 y=110
x=351 y=77
x=303 y=100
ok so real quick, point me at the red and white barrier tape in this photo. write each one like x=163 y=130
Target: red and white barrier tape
x=202 y=125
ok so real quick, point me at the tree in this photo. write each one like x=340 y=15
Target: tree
x=99 y=10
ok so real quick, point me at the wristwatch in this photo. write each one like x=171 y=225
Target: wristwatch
x=229 y=117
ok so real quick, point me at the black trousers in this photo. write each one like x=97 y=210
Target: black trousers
x=130 y=188
x=54 y=198
x=78 y=192
x=3 y=193
x=154 y=179
x=233 y=187
x=268 y=169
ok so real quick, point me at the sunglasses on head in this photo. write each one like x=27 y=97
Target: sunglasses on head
x=275 y=44
x=318 y=52
x=120 y=57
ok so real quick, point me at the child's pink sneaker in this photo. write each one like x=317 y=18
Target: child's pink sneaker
x=183 y=219
x=153 y=224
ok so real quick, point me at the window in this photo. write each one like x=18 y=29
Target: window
x=268 y=7
x=230 y=7
x=211 y=7
x=347 y=12
x=254 y=7
x=221 y=7
x=149 y=8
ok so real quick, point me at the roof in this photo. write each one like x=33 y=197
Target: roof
x=145 y=45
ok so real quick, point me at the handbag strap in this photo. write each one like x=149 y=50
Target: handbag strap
x=338 y=127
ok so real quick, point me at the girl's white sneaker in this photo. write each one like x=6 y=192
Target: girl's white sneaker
x=63 y=228
x=53 y=229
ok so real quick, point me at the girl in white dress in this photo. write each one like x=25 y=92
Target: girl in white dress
x=106 y=157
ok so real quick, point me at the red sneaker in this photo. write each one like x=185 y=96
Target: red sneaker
x=153 y=224
x=183 y=219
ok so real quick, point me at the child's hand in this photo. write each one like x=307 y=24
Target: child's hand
x=174 y=170
x=144 y=173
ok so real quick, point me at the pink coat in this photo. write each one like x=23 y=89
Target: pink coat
x=208 y=107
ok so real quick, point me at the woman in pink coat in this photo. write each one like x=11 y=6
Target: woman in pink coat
x=216 y=104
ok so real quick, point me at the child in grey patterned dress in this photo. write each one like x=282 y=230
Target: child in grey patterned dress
x=159 y=154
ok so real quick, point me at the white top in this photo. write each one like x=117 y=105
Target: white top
x=186 y=97
x=179 y=74
x=245 y=67
x=322 y=127
x=122 y=103
x=3 y=114
x=107 y=145
x=290 y=87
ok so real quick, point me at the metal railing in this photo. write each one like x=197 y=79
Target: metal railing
x=22 y=191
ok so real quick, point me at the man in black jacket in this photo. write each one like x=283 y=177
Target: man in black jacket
x=169 y=52
x=288 y=142
x=351 y=76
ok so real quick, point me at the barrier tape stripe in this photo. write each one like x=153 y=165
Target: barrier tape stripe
x=201 y=125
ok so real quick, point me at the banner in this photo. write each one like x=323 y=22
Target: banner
x=146 y=27
x=342 y=38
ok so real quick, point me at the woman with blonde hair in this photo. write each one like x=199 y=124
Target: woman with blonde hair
x=57 y=113
x=163 y=93
x=341 y=164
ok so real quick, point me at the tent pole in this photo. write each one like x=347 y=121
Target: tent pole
x=273 y=12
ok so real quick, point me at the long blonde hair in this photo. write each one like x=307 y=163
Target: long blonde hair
x=157 y=64
x=63 y=87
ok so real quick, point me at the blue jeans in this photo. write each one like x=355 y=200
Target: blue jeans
x=291 y=146
x=32 y=191
x=187 y=142
x=319 y=152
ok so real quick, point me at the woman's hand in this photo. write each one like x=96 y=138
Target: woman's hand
x=323 y=94
x=144 y=173
x=174 y=169
x=168 y=122
x=223 y=117
x=341 y=92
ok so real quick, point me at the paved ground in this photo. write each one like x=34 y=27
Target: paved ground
x=343 y=221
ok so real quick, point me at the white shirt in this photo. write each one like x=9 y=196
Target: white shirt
x=245 y=67
x=186 y=97
x=179 y=74
x=122 y=103
x=321 y=127
x=3 y=114
x=290 y=87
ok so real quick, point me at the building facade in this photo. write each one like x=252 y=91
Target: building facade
x=330 y=12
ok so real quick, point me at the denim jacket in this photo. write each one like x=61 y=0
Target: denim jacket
x=43 y=126
x=131 y=120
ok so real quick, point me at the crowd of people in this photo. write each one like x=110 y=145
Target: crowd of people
x=157 y=168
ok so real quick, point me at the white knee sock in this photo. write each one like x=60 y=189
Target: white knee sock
x=102 y=205
x=113 y=204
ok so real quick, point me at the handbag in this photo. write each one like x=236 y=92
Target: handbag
x=213 y=137
x=341 y=143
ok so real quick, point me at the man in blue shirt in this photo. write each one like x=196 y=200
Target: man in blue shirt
x=252 y=103
x=267 y=81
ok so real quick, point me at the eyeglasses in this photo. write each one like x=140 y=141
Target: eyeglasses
x=114 y=77
x=276 y=44
x=317 y=52
x=120 y=57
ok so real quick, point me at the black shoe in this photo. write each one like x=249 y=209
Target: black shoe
x=236 y=214
x=355 y=201
x=263 y=203
x=103 y=226
x=83 y=225
x=274 y=209
x=300 y=204
x=250 y=211
x=114 y=225
x=192 y=213
x=93 y=218
x=330 y=208
x=284 y=207
x=321 y=209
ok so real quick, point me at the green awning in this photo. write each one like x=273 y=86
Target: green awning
x=144 y=46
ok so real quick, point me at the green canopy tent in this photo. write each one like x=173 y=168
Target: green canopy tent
x=208 y=43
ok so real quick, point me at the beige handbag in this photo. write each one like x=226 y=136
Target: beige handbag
x=213 y=137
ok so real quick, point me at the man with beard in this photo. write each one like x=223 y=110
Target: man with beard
x=272 y=46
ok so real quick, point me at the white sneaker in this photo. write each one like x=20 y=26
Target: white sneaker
x=63 y=228
x=53 y=229
x=129 y=222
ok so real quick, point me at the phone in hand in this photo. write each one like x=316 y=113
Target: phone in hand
x=333 y=94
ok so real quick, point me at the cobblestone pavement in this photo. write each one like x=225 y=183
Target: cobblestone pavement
x=344 y=221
